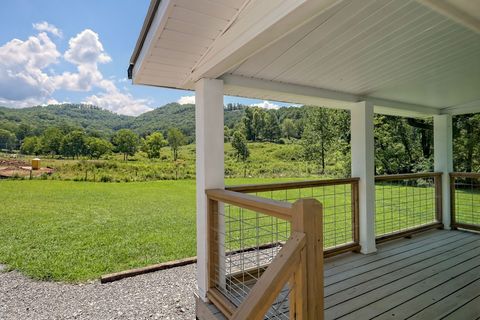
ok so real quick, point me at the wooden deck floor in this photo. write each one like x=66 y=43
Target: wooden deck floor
x=434 y=275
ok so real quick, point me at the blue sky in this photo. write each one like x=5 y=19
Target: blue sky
x=55 y=51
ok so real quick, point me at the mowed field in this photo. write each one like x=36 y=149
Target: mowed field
x=77 y=231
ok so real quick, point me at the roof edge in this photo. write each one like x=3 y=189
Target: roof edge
x=152 y=10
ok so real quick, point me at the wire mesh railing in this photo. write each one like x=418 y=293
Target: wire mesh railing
x=465 y=200
x=251 y=239
x=407 y=202
x=339 y=198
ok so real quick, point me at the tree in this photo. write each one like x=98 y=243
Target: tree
x=7 y=139
x=51 y=141
x=318 y=135
x=258 y=124
x=126 y=141
x=271 y=129
x=176 y=139
x=73 y=144
x=97 y=147
x=247 y=121
x=239 y=144
x=31 y=145
x=288 y=129
x=153 y=144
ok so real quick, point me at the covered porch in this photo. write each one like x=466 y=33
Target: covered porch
x=281 y=250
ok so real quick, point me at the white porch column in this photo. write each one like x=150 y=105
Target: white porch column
x=443 y=158
x=209 y=163
x=363 y=166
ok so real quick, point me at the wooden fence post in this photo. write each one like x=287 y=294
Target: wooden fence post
x=308 y=293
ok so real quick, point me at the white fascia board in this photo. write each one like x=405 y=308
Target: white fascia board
x=453 y=12
x=466 y=108
x=154 y=32
x=262 y=23
x=290 y=93
x=402 y=109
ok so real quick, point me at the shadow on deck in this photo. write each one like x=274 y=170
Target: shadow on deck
x=434 y=275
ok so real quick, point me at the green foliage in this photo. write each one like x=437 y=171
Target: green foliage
x=73 y=144
x=289 y=130
x=466 y=146
x=126 y=141
x=31 y=146
x=97 y=147
x=318 y=136
x=239 y=144
x=153 y=144
x=52 y=140
x=7 y=140
x=176 y=139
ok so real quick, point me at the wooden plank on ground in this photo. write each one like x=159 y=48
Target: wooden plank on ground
x=350 y=261
x=451 y=302
x=340 y=277
x=435 y=262
x=416 y=304
x=470 y=310
x=389 y=296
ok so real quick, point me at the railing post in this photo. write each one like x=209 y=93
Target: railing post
x=452 y=203
x=308 y=295
x=438 y=197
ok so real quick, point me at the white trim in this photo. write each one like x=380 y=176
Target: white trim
x=156 y=28
x=209 y=163
x=453 y=12
x=397 y=108
x=443 y=159
x=466 y=108
x=363 y=166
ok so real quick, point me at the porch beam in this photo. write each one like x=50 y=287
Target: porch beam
x=443 y=159
x=209 y=164
x=465 y=108
x=363 y=166
x=292 y=93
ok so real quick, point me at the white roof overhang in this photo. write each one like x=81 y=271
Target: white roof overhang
x=409 y=58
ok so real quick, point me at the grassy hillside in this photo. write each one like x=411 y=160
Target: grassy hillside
x=103 y=122
x=38 y=118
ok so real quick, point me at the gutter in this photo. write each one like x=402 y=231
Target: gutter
x=152 y=10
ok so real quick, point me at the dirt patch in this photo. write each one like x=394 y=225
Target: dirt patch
x=10 y=168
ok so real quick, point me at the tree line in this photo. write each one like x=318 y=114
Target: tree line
x=56 y=142
x=322 y=135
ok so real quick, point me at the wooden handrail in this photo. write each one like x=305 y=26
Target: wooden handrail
x=249 y=188
x=406 y=176
x=475 y=175
x=272 y=281
x=278 y=209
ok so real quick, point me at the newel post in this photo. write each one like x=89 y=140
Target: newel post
x=308 y=279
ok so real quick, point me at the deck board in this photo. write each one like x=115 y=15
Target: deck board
x=434 y=275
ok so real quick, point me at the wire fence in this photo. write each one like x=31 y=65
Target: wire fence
x=465 y=196
x=406 y=202
x=339 y=198
x=246 y=242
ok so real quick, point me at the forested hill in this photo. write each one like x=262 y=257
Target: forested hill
x=104 y=123
x=68 y=116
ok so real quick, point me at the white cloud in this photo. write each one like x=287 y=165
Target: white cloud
x=120 y=103
x=86 y=49
x=186 y=100
x=21 y=68
x=266 y=105
x=27 y=77
x=44 y=26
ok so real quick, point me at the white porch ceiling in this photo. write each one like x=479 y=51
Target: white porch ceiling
x=404 y=55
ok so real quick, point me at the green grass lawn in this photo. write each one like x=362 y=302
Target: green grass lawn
x=77 y=231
